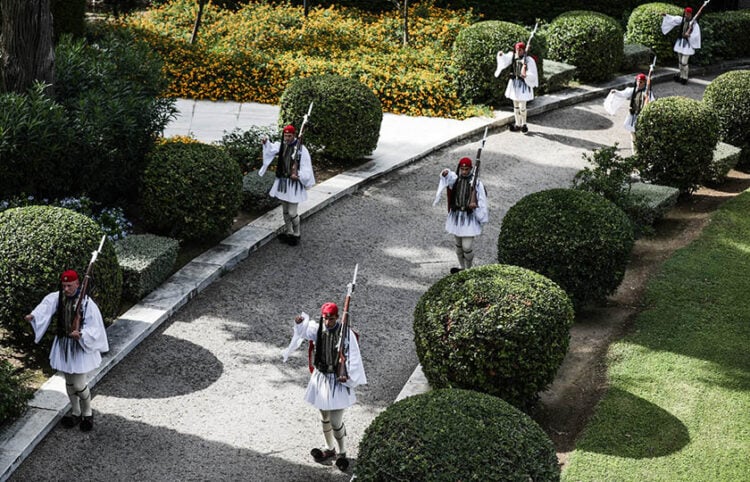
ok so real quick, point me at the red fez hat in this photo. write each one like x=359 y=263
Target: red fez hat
x=69 y=276
x=289 y=129
x=520 y=45
x=329 y=309
x=640 y=76
x=465 y=161
x=689 y=10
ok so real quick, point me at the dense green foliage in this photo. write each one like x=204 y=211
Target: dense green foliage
x=191 y=191
x=675 y=139
x=473 y=60
x=678 y=385
x=40 y=242
x=255 y=191
x=611 y=177
x=111 y=90
x=449 y=435
x=728 y=96
x=578 y=239
x=501 y=330
x=644 y=27
x=34 y=137
x=591 y=41
x=345 y=119
x=245 y=147
x=14 y=393
x=146 y=260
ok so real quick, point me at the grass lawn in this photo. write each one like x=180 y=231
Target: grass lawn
x=678 y=406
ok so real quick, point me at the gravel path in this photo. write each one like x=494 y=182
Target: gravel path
x=206 y=397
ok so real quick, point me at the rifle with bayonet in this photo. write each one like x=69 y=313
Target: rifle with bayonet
x=647 y=98
x=343 y=346
x=695 y=17
x=477 y=163
x=297 y=152
x=84 y=291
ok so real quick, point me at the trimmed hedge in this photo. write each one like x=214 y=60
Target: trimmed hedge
x=40 y=242
x=473 y=60
x=578 y=239
x=146 y=260
x=501 y=330
x=255 y=191
x=727 y=95
x=191 y=191
x=591 y=41
x=675 y=141
x=449 y=435
x=611 y=178
x=644 y=27
x=345 y=119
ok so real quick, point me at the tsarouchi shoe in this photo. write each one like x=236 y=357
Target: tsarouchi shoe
x=321 y=455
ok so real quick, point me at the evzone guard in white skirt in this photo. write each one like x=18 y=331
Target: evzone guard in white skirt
x=523 y=79
x=467 y=209
x=688 y=39
x=293 y=177
x=325 y=390
x=74 y=352
x=637 y=96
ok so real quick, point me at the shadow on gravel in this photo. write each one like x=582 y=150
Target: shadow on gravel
x=568 y=140
x=172 y=367
x=580 y=119
x=123 y=449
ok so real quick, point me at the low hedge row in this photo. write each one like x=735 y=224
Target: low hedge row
x=146 y=260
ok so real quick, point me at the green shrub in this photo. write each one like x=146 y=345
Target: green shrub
x=675 y=140
x=14 y=393
x=473 y=60
x=37 y=243
x=345 y=119
x=111 y=90
x=724 y=36
x=146 y=260
x=727 y=95
x=644 y=27
x=245 y=146
x=255 y=190
x=578 y=239
x=591 y=41
x=34 y=137
x=451 y=435
x=190 y=191
x=611 y=178
x=501 y=330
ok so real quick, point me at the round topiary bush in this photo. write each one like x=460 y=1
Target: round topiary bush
x=473 y=60
x=675 y=140
x=578 y=239
x=190 y=191
x=37 y=243
x=591 y=41
x=727 y=95
x=450 y=435
x=644 y=27
x=501 y=330
x=345 y=119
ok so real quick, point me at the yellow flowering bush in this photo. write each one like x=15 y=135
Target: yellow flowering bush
x=251 y=55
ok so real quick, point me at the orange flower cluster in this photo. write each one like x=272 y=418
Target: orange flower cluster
x=250 y=55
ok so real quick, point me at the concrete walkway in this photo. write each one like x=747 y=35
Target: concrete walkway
x=403 y=140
